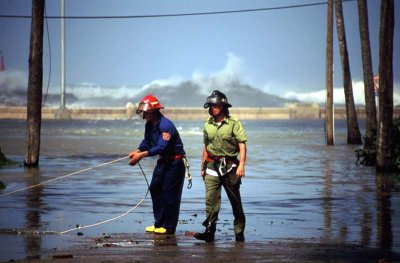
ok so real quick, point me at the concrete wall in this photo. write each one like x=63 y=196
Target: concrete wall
x=290 y=112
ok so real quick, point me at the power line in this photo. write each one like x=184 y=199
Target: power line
x=179 y=14
x=49 y=45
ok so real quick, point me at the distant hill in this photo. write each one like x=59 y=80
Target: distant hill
x=186 y=94
x=189 y=94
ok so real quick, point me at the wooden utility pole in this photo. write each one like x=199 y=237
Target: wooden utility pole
x=34 y=100
x=329 y=77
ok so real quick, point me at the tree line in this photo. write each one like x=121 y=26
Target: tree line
x=380 y=146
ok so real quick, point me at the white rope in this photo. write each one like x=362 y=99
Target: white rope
x=105 y=221
x=64 y=176
x=84 y=170
x=114 y=218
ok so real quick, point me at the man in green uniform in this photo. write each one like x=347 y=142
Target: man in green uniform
x=224 y=141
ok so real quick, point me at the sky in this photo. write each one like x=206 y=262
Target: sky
x=279 y=51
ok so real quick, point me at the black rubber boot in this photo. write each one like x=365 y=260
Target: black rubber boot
x=208 y=234
x=239 y=237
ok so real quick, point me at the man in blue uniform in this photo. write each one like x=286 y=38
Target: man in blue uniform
x=162 y=138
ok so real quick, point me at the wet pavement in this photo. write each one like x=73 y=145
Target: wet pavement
x=304 y=201
x=183 y=248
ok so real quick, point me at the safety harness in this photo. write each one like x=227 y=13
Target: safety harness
x=222 y=164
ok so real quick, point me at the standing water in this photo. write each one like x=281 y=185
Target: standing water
x=295 y=186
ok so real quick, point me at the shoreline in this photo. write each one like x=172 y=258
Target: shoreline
x=290 y=112
x=140 y=247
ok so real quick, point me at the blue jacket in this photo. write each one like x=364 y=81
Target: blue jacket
x=162 y=139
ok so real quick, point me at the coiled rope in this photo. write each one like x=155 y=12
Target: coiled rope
x=81 y=171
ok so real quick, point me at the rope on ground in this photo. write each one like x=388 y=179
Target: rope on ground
x=64 y=176
x=114 y=218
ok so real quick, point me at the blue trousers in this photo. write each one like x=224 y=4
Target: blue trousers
x=166 y=191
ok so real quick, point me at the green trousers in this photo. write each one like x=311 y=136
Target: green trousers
x=231 y=184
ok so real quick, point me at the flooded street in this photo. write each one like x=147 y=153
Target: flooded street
x=295 y=187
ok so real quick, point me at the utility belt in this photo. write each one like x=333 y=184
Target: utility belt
x=220 y=165
x=216 y=159
x=177 y=157
x=173 y=157
x=227 y=159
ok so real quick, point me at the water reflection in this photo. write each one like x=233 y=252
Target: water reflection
x=354 y=201
x=366 y=212
x=327 y=201
x=164 y=240
x=33 y=214
x=384 y=214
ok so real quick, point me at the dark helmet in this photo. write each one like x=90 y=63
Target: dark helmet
x=217 y=98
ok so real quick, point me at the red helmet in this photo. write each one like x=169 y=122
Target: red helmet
x=149 y=103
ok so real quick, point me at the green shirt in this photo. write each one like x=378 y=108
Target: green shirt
x=222 y=139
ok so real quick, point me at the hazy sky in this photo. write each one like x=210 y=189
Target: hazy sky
x=280 y=51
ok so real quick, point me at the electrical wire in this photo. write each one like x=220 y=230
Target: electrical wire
x=48 y=40
x=180 y=14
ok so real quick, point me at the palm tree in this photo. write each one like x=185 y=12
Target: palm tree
x=370 y=107
x=383 y=144
x=353 y=131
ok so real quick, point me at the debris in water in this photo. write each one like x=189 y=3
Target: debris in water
x=62 y=256
x=190 y=233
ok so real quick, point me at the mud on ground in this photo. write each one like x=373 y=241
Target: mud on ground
x=184 y=248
